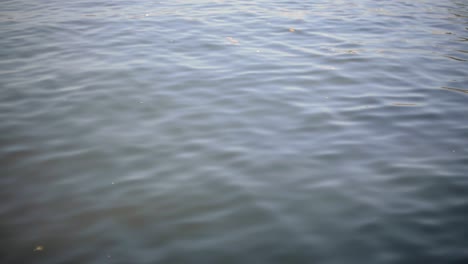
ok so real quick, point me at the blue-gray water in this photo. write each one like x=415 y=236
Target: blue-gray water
x=233 y=131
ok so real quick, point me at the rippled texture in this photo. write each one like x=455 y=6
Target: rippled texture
x=233 y=131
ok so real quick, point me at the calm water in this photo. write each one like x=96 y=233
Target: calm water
x=234 y=131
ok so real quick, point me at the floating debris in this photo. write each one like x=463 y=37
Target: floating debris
x=456 y=89
x=351 y=52
x=441 y=32
x=292 y=30
x=38 y=248
x=232 y=40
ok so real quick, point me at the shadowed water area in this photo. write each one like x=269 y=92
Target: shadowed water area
x=233 y=131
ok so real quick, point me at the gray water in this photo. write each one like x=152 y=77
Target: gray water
x=234 y=131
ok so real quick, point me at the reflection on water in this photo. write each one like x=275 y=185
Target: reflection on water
x=233 y=131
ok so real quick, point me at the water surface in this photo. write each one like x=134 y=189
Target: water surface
x=233 y=131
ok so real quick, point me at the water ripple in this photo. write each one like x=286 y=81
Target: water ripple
x=233 y=131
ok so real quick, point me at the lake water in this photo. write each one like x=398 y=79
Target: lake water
x=234 y=131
